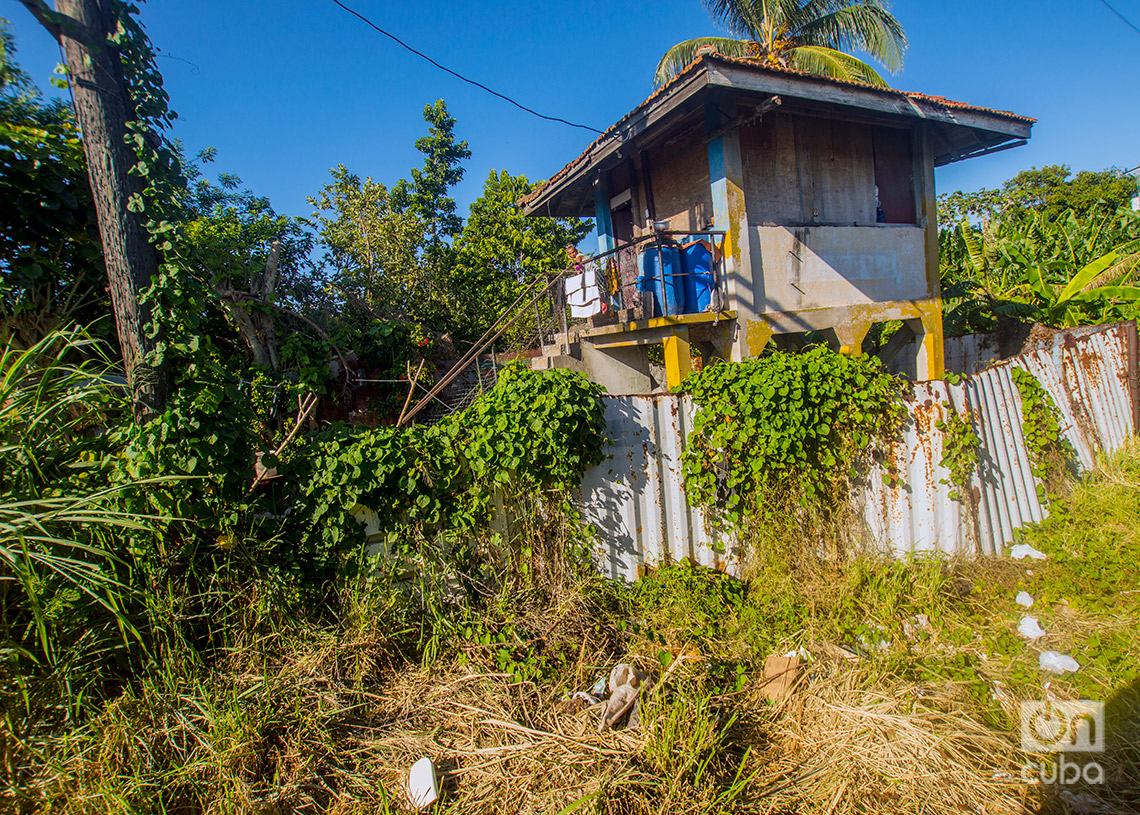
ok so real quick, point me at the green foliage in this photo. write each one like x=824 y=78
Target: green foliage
x=960 y=446
x=1050 y=454
x=229 y=232
x=692 y=603
x=425 y=196
x=1054 y=191
x=373 y=247
x=533 y=434
x=51 y=270
x=1061 y=272
x=500 y=252
x=1048 y=191
x=787 y=429
x=802 y=35
x=67 y=610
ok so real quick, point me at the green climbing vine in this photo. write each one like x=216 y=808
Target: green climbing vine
x=1050 y=454
x=533 y=434
x=960 y=446
x=787 y=429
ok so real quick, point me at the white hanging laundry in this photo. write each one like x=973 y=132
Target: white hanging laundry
x=582 y=294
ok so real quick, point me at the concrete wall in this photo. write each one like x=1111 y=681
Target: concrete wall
x=799 y=268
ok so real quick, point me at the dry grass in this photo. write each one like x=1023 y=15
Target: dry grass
x=854 y=740
x=328 y=718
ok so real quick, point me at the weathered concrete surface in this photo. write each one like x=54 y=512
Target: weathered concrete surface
x=801 y=268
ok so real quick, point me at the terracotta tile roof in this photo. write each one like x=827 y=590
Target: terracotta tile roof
x=701 y=59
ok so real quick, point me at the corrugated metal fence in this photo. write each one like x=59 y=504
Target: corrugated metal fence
x=636 y=499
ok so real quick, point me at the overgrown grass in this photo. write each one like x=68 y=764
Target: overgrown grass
x=906 y=699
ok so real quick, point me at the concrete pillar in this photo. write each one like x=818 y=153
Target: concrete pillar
x=621 y=370
x=851 y=335
x=931 y=360
x=726 y=177
x=932 y=354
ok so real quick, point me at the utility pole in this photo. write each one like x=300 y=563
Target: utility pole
x=103 y=107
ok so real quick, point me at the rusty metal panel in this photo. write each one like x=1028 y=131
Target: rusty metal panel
x=917 y=514
x=1086 y=373
x=636 y=499
x=1003 y=489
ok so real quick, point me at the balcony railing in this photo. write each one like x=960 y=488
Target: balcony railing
x=648 y=277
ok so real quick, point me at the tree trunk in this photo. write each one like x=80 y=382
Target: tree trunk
x=102 y=108
x=256 y=325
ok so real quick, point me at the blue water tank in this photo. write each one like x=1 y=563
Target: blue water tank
x=697 y=280
x=660 y=273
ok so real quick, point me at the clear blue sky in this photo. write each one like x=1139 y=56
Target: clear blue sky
x=286 y=90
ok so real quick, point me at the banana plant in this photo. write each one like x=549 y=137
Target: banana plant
x=1095 y=290
x=1061 y=272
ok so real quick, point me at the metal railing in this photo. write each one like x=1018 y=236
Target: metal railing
x=614 y=285
x=611 y=286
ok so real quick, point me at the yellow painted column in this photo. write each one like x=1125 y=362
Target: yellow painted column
x=932 y=357
x=678 y=358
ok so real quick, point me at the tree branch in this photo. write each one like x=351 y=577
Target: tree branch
x=233 y=296
x=59 y=25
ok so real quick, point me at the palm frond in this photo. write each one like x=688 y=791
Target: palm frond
x=1117 y=273
x=745 y=18
x=823 y=61
x=867 y=26
x=681 y=54
x=975 y=249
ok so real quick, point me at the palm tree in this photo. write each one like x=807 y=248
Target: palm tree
x=807 y=35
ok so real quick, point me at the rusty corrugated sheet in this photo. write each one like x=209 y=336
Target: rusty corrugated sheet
x=637 y=503
x=636 y=498
x=1086 y=374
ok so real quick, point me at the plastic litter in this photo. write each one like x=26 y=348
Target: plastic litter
x=1024 y=599
x=1057 y=663
x=423 y=786
x=1024 y=550
x=619 y=696
x=1030 y=628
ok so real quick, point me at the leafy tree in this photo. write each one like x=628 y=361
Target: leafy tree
x=500 y=251
x=425 y=196
x=51 y=269
x=388 y=248
x=807 y=35
x=373 y=247
x=1051 y=190
x=254 y=259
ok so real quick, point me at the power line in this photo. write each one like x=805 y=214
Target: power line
x=1127 y=22
x=422 y=55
